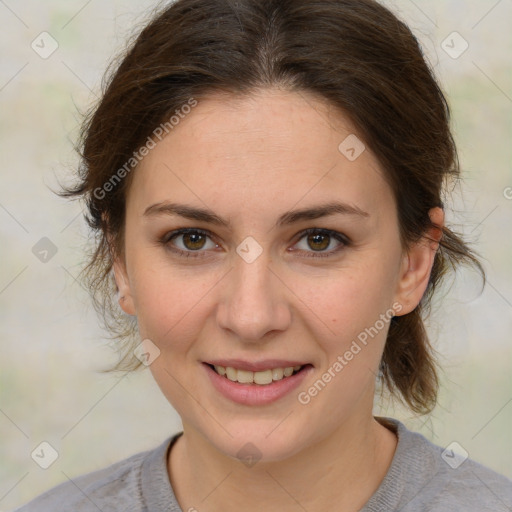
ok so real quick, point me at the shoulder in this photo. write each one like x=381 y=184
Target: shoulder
x=116 y=487
x=427 y=477
x=463 y=483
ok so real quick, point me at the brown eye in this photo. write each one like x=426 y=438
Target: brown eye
x=194 y=240
x=189 y=242
x=318 y=242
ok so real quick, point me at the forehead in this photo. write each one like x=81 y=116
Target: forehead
x=272 y=147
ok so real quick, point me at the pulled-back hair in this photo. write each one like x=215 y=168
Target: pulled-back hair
x=355 y=54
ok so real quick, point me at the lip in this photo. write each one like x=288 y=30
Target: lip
x=255 y=394
x=259 y=366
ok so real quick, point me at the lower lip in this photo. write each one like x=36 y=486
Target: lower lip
x=256 y=394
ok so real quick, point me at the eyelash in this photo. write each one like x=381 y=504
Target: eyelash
x=168 y=237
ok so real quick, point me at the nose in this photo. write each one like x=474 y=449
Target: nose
x=254 y=300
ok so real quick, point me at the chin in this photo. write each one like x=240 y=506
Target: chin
x=257 y=442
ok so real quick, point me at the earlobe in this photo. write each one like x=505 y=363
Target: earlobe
x=417 y=265
x=125 y=298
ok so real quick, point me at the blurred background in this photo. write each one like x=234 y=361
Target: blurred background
x=53 y=55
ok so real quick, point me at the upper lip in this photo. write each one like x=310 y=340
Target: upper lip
x=255 y=366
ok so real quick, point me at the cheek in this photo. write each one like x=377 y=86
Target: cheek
x=348 y=301
x=354 y=309
x=170 y=303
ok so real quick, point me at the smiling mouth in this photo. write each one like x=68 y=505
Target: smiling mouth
x=264 y=377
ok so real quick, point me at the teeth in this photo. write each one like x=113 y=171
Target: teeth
x=262 y=378
x=231 y=373
x=220 y=370
x=244 y=376
x=277 y=373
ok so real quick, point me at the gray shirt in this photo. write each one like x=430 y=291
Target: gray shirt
x=421 y=478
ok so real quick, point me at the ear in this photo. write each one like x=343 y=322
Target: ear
x=417 y=265
x=125 y=297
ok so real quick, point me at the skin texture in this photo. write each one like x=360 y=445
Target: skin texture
x=250 y=159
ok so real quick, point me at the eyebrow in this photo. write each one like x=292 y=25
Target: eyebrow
x=291 y=217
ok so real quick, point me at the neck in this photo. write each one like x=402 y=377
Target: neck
x=340 y=472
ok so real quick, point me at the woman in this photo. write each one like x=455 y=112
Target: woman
x=265 y=179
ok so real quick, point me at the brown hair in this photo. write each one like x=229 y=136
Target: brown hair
x=356 y=55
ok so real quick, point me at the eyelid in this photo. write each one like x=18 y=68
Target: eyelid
x=340 y=237
x=169 y=236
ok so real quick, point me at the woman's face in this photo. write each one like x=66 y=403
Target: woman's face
x=246 y=288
